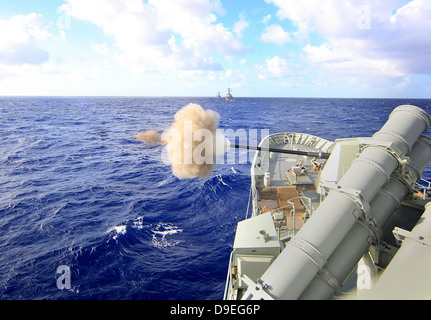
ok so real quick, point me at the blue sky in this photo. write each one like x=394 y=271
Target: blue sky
x=259 y=48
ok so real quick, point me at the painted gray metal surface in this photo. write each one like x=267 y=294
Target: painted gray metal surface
x=407 y=276
x=354 y=245
x=303 y=258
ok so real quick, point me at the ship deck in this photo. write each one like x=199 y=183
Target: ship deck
x=283 y=187
x=291 y=189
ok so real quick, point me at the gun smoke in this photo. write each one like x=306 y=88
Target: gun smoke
x=151 y=137
x=193 y=142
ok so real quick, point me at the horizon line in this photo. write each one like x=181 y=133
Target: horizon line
x=222 y=98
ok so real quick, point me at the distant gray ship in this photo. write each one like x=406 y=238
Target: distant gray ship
x=229 y=96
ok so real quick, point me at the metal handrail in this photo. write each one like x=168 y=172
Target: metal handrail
x=424 y=189
x=307 y=210
x=229 y=276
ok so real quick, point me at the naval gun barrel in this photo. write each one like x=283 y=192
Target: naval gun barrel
x=320 y=155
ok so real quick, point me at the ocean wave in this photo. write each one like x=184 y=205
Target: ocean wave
x=117 y=231
x=161 y=235
x=107 y=207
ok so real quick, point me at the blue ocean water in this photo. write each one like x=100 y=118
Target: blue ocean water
x=78 y=190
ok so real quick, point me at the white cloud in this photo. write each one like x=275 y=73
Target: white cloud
x=275 y=68
x=382 y=39
x=240 y=26
x=181 y=34
x=275 y=34
x=404 y=82
x=266 y=18
x=130 y=22
x=195 y=24
x=333 y=18
x=344 y=61
x=21 y=38
x=100 y=48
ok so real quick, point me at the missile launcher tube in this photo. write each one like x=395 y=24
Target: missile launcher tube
x=355 y=244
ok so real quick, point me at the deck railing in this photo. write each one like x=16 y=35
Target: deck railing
x=292 y=214
x=276 y=140
x=425 y=188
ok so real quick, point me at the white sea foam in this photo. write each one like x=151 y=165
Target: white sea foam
x=161 y=231
x=138 y=223
x=117 y=231
x=163 y=182
x=221 y=179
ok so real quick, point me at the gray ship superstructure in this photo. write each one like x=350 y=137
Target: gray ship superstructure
x=345 y=218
